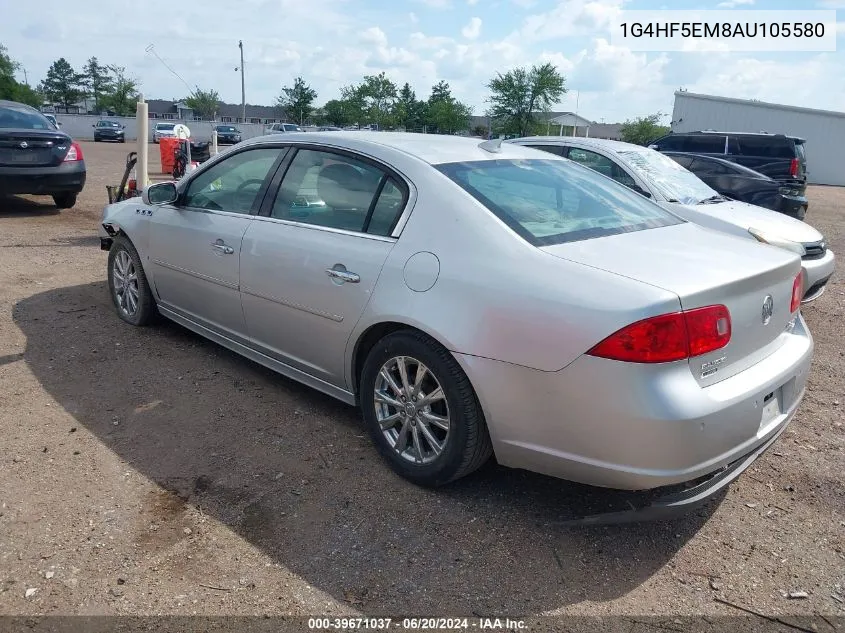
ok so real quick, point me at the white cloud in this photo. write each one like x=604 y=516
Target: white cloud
x=472 y=2
x=525 y=4
x=413 y=17
x=472 y=30
x=436 y=4
x=730 y=4
x=374 y=35
x=568 y=18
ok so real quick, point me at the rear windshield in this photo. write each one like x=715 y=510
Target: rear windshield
x=554 y=201
x=165 y=126
x=23 y=119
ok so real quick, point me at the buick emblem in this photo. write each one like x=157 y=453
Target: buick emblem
x=24 y=144
x=768 y=309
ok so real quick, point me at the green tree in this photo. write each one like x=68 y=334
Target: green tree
x=354 y=104
x=520 y=93
x=123 y=98
x=98 y=81
x=408 y=111
x=204 y=103
x=643 y=130
x=379 y=94
x=11 y=88
x=63 y=85
x=444 y=113
x=297 y=100
x=334 y=113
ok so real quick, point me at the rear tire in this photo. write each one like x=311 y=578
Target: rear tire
x=128 y=285
x=64 y=200
x=434 y=431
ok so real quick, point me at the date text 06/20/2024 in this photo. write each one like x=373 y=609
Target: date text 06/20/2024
x=415 y=624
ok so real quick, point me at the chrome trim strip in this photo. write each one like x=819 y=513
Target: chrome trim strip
x=261 y=358
x=328 y=229
x=337 y=318
x=185 y=271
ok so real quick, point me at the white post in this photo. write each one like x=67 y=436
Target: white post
x=214 y=140
x=142 y=123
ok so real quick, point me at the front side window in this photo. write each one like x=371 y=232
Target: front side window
x=340 y=192
x=601 y=164
x=232 y=184
x=674 y=182
x=552 y=202
x=557 y=150
x=766 y=146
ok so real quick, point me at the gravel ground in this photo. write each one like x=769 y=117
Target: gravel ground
x=148 y=471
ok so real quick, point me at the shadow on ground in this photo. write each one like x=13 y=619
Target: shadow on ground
x=16 y=206
x=292 y=471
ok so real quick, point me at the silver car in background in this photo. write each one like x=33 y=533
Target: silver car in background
x=476 y=299
x=163 y=130
x=660 y=178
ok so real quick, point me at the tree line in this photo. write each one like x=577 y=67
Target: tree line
x=516 y=100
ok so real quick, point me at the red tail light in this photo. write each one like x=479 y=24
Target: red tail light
x=74 y=153
x=793 y=168
x=797 y=293
x=669 y=337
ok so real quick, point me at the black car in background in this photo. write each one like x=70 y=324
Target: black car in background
x=741 y=183
x=777 y=156
x=109 y=131
x=36 y=158
x=228 y=135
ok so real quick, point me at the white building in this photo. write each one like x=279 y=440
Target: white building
x=824 y=130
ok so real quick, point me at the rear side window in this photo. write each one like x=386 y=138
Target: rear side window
x=766 y=146
x=711 y=167
x=705 y=144
x=340 y=192
x=551 y=202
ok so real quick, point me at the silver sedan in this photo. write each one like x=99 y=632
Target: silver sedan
x=477 y=299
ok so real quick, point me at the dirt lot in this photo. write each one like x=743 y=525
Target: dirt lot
x=148 y=471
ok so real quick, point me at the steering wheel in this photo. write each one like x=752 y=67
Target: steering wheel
x=239 y=192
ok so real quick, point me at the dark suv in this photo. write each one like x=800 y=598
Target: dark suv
x=777 y=156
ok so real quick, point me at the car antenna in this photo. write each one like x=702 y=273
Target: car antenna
x=494 y=145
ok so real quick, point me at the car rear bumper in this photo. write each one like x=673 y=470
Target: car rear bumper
x=66 y=178
x=612 y=424
x=817 y=273
x=793 y=206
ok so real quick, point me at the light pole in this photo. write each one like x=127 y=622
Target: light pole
x=243 y=88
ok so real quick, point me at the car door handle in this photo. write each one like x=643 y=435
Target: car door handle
x=220 y=246
x=343 y=275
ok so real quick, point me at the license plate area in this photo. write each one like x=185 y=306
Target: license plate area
x=772 y=407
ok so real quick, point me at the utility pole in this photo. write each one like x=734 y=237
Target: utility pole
x=25 y=78
x=243 y=85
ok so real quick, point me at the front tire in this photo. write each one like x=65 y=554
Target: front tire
x=64 y=200
x=128 y=285
x=422 y=411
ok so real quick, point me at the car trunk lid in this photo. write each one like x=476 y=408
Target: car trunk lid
x=704 y=268
x=32 y=148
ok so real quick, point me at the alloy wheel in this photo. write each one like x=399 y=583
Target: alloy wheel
x=411 y=409
x=125 y=283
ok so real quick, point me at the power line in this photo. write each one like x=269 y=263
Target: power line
x=151 y=49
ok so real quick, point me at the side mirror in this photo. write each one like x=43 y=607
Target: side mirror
x=58 y=124
x=93 y=126
x=160 y=193
x=640 y=190
x=653 y=146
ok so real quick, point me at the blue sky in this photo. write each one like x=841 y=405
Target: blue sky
x=332 y=43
